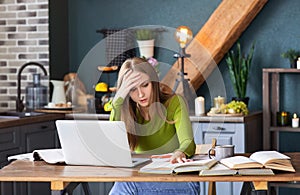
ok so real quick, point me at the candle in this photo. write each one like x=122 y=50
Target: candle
x=199 y=106
x=283 y=118
x=219 y=101
x=295 y=121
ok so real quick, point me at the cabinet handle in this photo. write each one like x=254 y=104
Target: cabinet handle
x=218 y=128
x=44 y=127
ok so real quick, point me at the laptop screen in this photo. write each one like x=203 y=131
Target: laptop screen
x=94 y=142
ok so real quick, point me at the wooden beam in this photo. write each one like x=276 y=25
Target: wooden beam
x=215 y=38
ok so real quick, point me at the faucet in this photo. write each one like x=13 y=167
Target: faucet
x=19 y=102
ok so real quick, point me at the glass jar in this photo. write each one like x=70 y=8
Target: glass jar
x=283 y=118
x=219 y=101
x=36 y=94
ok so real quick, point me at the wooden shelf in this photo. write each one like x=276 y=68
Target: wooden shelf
x=271 y=101
x=281 y=70
x=284 y=129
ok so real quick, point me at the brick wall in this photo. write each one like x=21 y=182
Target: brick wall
x=24 y=37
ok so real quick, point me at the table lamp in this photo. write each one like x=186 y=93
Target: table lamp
x=184 y=35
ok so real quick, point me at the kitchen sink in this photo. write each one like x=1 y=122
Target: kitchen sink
x=14 y=114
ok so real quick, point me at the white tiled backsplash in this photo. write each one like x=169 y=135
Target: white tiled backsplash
x=24 y=37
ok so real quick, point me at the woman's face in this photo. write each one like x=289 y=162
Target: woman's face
x=141 y=94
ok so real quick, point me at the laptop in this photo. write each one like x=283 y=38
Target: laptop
x=97 y=143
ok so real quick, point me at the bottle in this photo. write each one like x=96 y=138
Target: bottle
x=36 y=94
x=298 y=63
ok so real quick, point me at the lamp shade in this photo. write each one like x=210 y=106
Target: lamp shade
x=183 y=35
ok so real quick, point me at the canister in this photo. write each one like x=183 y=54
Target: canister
x=218 y=101
x=36 y=94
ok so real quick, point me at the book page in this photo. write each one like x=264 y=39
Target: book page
x=267 y=156
x=51 y=156
x=256 y=172
x=25 y=156
x=165 y=167
x=158 y=166
x=218 y=169
x=286 y=166
x=240 y=162
x=194 y=165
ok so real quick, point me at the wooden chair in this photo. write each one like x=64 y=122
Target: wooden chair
x=203 y=149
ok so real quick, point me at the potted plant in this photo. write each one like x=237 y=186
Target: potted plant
x=145 y=40
x=292 y=56
x=239 y=65
x=144 y=34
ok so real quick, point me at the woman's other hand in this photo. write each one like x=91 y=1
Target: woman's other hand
x=179 y=157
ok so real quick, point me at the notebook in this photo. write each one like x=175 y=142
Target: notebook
x=94 y=142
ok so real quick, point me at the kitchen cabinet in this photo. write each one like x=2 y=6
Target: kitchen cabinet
x=23 y=139
x=9 y=143
x=244 y=132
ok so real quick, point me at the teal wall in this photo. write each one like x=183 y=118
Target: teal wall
x=88 y=15
x=275 y=29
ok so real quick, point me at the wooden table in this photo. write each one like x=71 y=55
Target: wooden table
x=60 y=175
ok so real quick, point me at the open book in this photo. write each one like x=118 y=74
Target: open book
x=220 y=169
x=165 y=167
x=51 y=156
x=262 y=159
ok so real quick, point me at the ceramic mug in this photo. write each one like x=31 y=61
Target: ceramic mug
x=222 y=151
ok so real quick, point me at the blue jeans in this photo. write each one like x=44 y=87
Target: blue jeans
x=158 y=188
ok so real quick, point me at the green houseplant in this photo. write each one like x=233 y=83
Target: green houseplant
x=239 y=65
x=292 y=56
x=144 y=34
x=145 y=40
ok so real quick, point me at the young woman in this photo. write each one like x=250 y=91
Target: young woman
x=157 y=122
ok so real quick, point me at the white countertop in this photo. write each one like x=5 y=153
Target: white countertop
x=203 y=118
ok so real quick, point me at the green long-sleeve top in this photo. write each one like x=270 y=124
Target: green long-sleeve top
x=156 y=137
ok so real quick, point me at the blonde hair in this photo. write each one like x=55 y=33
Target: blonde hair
x=160 y=93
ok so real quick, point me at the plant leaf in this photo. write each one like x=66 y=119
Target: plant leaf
x=239 y=67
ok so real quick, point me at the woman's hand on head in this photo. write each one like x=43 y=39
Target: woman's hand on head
x=130 y=80
x=179 y=157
